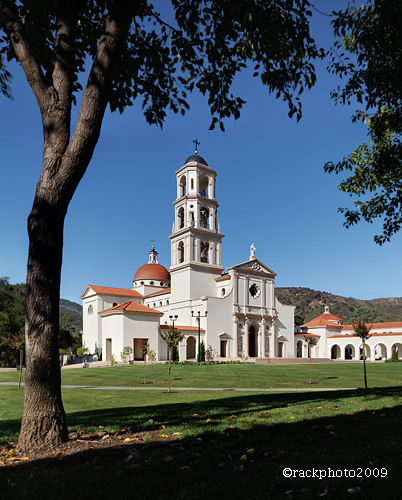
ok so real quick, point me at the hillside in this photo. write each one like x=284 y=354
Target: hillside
x=310 y=303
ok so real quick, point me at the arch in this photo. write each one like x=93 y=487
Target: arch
x=205 y=252
x=366 y=350
x=252 y=340
x=349 y=351
x=299 y=349
x=204 y=217
x=114 y=304
x=380 y=352
x=180 y=252
x=90 y=309
x=203 y=184
x=254 y=290
x=180 y=215
x=160 y=303
x=223 y=292
x=190 y=354
x=183 y=183
x=398 y=348
x=167 y=302
x=335 y=352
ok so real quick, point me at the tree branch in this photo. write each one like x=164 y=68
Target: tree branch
x=67 y=12
x=33 y=72
x=96 y=96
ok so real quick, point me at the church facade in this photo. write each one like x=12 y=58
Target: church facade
x=234 y=311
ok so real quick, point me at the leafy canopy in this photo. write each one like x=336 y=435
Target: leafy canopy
x=373 y=35
x=203 y=48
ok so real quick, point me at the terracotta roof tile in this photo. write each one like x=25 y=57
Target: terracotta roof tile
x=131 y=306
x=377 y=326
x=307 y=335
x=107 y=290
x=388 y=334
x=183 y=328
x=159 y=291
x=325 y=319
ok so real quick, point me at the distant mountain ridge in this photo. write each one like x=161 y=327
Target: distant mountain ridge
x=310 y=304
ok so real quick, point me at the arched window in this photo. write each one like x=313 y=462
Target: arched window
x=180 y=214
x=204 y=217
x=154 y=305
x=205 y=251
x=192 y=183
x=161 y=283
x=160 y=304
x=90 y=309
x=142 y=283
x=180 y=251
x=151 y=283
x=223 y=291
x=182 y=186
x=167 y=302
x=204 y=182
x=114 y=304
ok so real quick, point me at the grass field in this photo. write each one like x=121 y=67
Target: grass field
x=222 y=444
x=231 y=376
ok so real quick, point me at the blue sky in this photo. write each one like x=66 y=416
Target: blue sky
x=271 y=188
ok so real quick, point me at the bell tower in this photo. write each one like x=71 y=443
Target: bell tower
x=196 y=241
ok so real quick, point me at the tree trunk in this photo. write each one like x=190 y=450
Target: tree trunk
x=44 y=420
x=364 y=366
x=145 y=375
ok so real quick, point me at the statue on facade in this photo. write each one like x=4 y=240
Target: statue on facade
x=252 y=251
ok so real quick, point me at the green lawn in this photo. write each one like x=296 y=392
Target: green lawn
x=231 y=445
x=231 y=376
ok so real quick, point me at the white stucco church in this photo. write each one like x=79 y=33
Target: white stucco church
x=234 y=310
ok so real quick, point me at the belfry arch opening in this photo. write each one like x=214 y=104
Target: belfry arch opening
x=181 y=217
x=204 y=217
x=182 y=186
x=205 y=252
x=203 y=184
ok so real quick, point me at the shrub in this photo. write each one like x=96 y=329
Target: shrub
x=112 y=360
x=126 y=353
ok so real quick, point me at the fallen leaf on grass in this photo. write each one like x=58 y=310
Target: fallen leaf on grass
x=195 y=415
x=127 y=440
x=12 y=453
x=164 y=435
x=208 y=420
x=185 y=468
x=168 y=458
x=250 y=451
x=57 y=454
x=2 y=463
x=243 y=458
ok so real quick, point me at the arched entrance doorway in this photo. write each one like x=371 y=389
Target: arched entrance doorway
x=252 y=341
x=380 y=352
x=299 y=349
x=366 y=351
x=335 y=352
x=349 y=352
x=398 y=348
x=190 y=348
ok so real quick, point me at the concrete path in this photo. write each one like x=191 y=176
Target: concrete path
x=237 y=389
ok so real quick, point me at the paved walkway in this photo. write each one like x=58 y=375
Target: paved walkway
x=234 y=389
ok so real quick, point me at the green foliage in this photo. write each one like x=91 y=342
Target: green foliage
x=372 y=34
x=367 y=314
x=394 y=357
x=175 y=354
x=299 y=320
x=210 y=354
x=204 y=48
x=126 y=353
x=82 y=351
x=152 y=355
x=172 y=337
x=360 y=329
x=201 y=352
x=112 y=360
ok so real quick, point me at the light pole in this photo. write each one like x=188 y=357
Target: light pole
x=199 y=316
x=173 y=319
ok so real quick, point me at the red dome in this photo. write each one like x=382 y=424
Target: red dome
x=152 y=272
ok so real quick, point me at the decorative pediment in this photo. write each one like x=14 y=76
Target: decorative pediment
x=225 y=336
x=254 y=266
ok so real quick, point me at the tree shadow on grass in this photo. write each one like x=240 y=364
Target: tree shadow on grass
x=243 y=457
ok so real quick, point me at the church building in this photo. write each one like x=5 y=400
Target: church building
x=233 y=310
